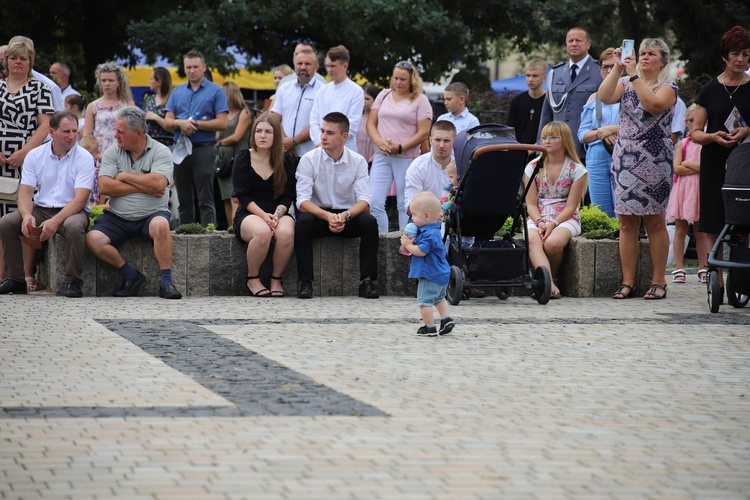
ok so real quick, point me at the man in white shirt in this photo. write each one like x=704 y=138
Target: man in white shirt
x=427 y=172
x=62 y=173
x=333 y=199
x=60 y=73
x=294 y=101
x=342 y=95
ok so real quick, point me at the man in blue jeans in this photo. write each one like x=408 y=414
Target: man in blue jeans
x=197 y=110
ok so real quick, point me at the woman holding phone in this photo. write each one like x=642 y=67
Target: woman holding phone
x=642 y=158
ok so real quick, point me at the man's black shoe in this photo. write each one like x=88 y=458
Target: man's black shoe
x=368 y=290
x=305 y=290
x=169 y=291
x=130 y=287
x=73 y=290
x=12 y=286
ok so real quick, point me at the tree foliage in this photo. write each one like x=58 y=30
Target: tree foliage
x=434 y=34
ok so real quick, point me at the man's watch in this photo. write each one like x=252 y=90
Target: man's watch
x=348 y=216
x=294 y=143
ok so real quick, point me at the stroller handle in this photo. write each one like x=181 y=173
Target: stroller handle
x=508 y=147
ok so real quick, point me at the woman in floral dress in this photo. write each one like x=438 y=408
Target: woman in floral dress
x=553 y=200
x=642 y=158
x=113 y=86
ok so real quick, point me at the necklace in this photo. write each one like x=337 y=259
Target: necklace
x=727 y=90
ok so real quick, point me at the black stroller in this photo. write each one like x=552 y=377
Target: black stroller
x=736 y=194
x=490 y=163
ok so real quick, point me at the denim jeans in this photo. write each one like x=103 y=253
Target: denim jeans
x=386 y=169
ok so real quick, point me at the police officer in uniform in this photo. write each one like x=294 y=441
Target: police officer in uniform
x=569 y=85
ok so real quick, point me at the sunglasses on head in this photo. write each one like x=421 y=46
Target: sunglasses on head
x=406 y=65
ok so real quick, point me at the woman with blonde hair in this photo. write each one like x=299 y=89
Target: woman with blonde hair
x=114 y=90
x=400 y=120
x=265 y=185
x=642 y=158
x=25 y=111
x=553 y=200
x=231 y=141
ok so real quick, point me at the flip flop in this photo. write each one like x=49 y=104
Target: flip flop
x=31 y=285
x=678 y=276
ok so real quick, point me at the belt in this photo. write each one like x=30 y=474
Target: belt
x=203 y=144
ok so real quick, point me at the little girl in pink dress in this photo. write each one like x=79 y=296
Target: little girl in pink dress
x=684 y=202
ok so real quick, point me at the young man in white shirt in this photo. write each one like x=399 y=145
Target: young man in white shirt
x=333 y=199
x=342 y=95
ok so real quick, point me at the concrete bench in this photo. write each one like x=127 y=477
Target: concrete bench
x=214 y=264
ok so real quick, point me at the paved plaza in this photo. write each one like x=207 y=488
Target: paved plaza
x=238 y=397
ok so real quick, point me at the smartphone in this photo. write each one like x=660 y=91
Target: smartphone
x=627 y=49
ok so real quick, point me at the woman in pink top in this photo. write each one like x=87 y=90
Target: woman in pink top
x=399 y=122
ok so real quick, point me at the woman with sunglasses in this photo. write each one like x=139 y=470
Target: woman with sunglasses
x=642 y=158
x=598 y=133
x=399 y=122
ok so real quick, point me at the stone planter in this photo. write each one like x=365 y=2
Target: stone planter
x=215 y=264
x=591 y=268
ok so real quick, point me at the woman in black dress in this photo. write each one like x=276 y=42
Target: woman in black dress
x=265 y=186
x=714 y=104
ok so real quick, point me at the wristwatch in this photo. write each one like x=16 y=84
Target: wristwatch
x=348 y=216
x=294 y=143
x=634 y=77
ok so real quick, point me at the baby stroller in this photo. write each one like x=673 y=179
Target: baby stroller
x=490 y=163
x=736 y=194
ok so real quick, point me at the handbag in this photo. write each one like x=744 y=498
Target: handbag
x=610 y=148
x=224 y=167
x=9 y=186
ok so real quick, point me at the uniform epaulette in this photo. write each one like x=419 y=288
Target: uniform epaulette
x=559 y=64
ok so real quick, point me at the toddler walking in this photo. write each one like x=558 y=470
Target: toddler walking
x=429 y=264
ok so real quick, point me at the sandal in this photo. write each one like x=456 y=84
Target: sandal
x=679 y=276
x=277 y=293
x=263 y=292
x=702 y=276
x=653 y=292
x=31 y=285
x=625 y=292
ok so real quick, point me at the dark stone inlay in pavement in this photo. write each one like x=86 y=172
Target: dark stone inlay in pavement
x=256 y=385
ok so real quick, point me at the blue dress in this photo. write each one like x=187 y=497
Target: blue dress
x=598 y=160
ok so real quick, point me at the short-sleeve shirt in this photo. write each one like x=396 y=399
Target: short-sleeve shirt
x=156 y=158
x=397 y=121
x=434 y=265
x=294 y=103
x=56 y=179
x=203 y=104
x=463 y=121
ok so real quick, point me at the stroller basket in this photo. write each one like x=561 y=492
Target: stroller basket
x=494 y=264
x=736 y=204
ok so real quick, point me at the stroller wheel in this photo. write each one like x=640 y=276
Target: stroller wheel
x=455 y=286
x=503 y=292
x=714 y=291
x=735 y=299
x=542 y=284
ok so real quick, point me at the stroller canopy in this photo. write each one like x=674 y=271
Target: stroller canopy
x=472 y=139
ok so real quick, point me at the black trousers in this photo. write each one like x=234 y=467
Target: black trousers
x=309 y=227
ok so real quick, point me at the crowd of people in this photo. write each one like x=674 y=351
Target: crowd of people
x=324 y=156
